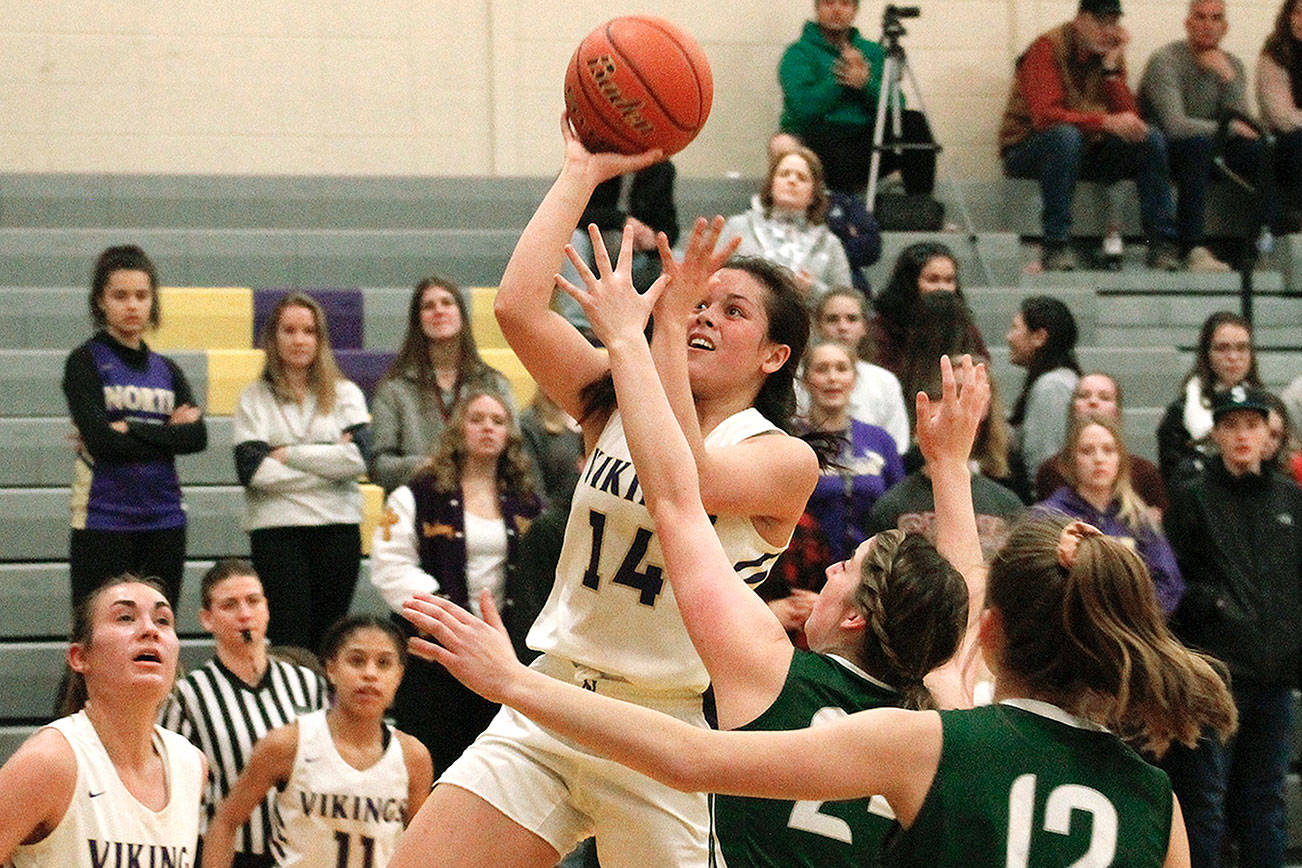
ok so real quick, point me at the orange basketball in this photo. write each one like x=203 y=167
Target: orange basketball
x=637 y=83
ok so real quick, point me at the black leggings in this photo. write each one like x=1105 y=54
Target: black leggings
x=308 y=574
x=96 y=555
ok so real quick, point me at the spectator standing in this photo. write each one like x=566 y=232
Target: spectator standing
x=842 y=316
x=831 y=78
x=1279 y=94
x=454 y=529
x=1189 y=85
x=1070 y=115
x=437 y=364
x=1098 y=491
x=225 y=706
x=920 y=269
x=786 y=225
x=1237 y=531
x=134 y=413
x=868 y=463
x=1098 y=394
x=302 y=436
x=1225 y=358
x=1043 y=341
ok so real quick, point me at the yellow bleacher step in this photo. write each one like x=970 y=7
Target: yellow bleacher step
x=204 y=318
x=522 y=385
x=229 y=371
x=483 y=325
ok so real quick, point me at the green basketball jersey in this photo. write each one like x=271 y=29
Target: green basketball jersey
x=1023 y=783
x=756 y=832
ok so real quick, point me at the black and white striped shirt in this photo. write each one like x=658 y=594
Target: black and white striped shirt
x=224 y=718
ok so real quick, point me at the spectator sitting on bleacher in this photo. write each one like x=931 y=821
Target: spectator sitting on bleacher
x=1071 y=115
x=134 y=413
x=847 y=217
x=554 y=443
x=643 y=200
x=787 y=225
x=1099 y=394
x=227 y=704
x=1042 y=340
x=1188 y=86
x=842 y=316
x=302 y=435
x=454 y=529
x=1223 y=359
x=1236 y=528
x=921 y=268
x=1279 y=94
x=1283 y=452
x=436 y=366
x=831 y=77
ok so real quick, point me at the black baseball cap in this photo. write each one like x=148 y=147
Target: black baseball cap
x=1239 y=398
x=1101 y=7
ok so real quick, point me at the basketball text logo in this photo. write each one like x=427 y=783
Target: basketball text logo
x=602 y=69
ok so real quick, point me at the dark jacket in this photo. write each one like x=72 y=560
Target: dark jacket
x=1238 y=541
x=441 y=542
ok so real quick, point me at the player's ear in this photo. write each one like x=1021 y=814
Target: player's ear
x=775 y=358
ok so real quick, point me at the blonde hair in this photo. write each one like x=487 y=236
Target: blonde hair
x=448 y=459
x=322 y=374
x=1132 y=510
x=1091 y=639
x=915 y=605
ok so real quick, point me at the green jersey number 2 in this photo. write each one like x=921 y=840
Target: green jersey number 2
x=1062 y=801
x=807 y=817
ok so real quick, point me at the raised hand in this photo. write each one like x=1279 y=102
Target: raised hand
x=947 y=428
x=478 y=652
x=614 y=307
x=687 y=277
x=602 y=165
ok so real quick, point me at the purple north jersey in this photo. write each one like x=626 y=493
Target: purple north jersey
x=130 y=495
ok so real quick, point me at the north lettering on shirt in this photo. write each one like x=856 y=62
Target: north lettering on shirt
x=141 y=399
x=605 y=473
x=348 y=807
x=124 y=854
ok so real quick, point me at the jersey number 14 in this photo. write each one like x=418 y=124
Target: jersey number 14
x=647 y=582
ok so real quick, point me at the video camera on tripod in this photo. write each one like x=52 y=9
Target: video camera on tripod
x=892 y=26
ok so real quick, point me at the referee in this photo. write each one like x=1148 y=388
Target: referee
x=230 y=702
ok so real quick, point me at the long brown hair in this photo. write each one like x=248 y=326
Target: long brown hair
x=1202 y=366
x=413 y=356
x=72 y=691
x=1091 y=639
x=1132 y=511
x=1282 y=47
x=915 y=604
x=448 y=459
x=321 y=375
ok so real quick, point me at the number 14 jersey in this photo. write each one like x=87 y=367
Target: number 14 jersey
x=611 y=608
x=1024 y=783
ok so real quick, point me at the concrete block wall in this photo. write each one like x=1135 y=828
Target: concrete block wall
x=446 y=87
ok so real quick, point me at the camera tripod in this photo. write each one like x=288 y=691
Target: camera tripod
x=890 y=104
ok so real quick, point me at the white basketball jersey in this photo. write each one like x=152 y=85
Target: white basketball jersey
x=611 y=608
x=331 y=814
x=105 y=826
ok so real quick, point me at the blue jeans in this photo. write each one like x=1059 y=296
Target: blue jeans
x=1239 y=786
x=1060 y=156
x=1191 y=167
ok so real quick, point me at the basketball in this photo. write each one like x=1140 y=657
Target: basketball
x=637 y=83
